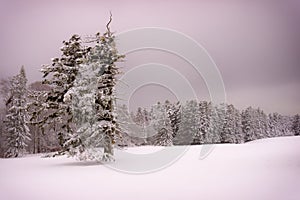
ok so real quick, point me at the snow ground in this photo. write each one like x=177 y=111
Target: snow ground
x=260 y=170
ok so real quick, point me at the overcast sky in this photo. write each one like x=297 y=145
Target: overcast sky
x=255 y=44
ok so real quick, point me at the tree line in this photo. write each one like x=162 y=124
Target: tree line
x=202 y=122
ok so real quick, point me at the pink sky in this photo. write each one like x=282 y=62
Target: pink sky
x=255 y=44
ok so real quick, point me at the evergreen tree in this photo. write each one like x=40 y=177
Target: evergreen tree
x=60 y=76
x=238 y=130
x=261 y=124
x=189 y=125
x=273 y=123
x=139 y=118
x=296 y=124
x=255 y=124
x=216 y=123
x=98 y=99
x=199 y=137
x=162 y=125
x=35 y=110
x=228 y=132
x=88 y=137
x=248 y=124
x=126 y=125
x=174 y=114
x=17 y=129
x=146 y=117
x=93 y=99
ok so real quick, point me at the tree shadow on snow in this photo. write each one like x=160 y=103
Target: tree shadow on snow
x=79 y=164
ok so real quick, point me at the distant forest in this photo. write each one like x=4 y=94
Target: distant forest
x=202 y=122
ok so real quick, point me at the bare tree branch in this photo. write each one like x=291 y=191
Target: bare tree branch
x=107 y=25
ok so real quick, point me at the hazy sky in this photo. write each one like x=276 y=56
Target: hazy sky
x=255 y=44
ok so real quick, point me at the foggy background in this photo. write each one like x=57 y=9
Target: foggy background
x=255 y=44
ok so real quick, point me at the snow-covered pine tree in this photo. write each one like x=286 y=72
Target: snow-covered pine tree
x=43 y=138
x=93 y=99
x=286 y=126
x=248 y=124
x=162 y=126
x=60 y=76
x=203 y=121
x=139 y=118
x=232 y=129
x=262 y=124
x=146 y=116
x=17 y=130
x=101 y=129
x=238 y=130
x=189 y=124
x=217 y=116
x=296 y=124
x=228 y=132
x=5 y=92
x=126 y=125
x=35 y=110
x=174 y=114
x=2 y=131
x=273 y=123
x=88 y=137
x=255 y=124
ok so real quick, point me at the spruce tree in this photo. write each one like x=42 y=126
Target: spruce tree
x=16 y=118
x=248 y=124
x=162 y=126
x=174 y=114
x=216 y=123
x=274 y=125
x=189 y=124
x=228 y=132
x=60 y=76
x=238 y=130
x=201 y=134
x=296 y=125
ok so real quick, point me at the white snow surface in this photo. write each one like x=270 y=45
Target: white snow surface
x=260 y=170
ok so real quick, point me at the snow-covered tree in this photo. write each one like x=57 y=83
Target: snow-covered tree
x=228 y=132
x=139 y=118
x=88 y=138
x=107 y=58
x=273 y=123
x=261 y=124
x=189 y=125
x=146 y=116
x=162 y=126
x=216 y=123
x=248 y=124
x=2 y=131
x=286 y=125
x=232 y=129
x=255 y=124
x=296 y=124
x=203 y=115
x=43 y=138
x=5 y=92
x=17 y=130
x=174 y=114
x=60 y=76
x=238 y=130
x=126 y=125
x=93 y=102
